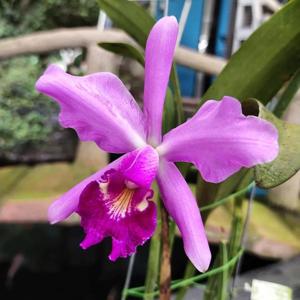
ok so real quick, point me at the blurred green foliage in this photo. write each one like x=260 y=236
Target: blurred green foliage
x=25 y=116
x=25 y=16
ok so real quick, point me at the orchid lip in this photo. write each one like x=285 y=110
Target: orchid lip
x=118 y=204
x=122 y=214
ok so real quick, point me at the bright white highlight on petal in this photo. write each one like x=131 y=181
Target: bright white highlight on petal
x=142 y=205
x=130 y=185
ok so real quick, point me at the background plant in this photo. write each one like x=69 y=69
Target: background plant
x=26 y=117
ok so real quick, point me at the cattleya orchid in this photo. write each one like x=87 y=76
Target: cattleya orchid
x=116 y=201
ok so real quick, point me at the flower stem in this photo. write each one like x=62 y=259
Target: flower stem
x=188 y=273
x=165 y=267
x=154 y=256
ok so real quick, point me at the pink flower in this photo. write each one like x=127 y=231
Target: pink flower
x=219 y=140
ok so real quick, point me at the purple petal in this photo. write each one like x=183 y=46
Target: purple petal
x=118 y=204
x=158 y=60
x=182 y=207
x=140 y=167
x=220 y=140
x=127 y=233
x=98 y=107
x=67 y=204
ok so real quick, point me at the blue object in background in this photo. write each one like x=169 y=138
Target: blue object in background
x=223 y=27
x=190 y=38
x=260 y=193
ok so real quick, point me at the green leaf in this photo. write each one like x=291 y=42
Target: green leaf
x=288 y=95
x=258 y=69
x=169 y=117
x=124 y=50
x=287 y=162
x=177 y=95
x=268 y=58
x=129 y=16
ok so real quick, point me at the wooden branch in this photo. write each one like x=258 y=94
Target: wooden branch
x=206 y=63
x=47 y=41
x=83 y=37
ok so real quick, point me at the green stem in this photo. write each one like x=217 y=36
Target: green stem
x=224 y=276
x=212 y=288
x=225 y=199
x=210 y=291
x=237 y=226
x=140 y=292
x=216 y=287
x=154 y=257
x=214 y=271
x=189 y=272
x=242 y=238
x=238 y=220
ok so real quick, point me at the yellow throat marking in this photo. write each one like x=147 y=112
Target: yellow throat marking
x=119 y=206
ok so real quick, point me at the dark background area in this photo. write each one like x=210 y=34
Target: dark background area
x=52 y=265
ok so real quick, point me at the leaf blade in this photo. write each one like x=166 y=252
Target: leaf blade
x=287 y=162
x=268 y=58
x=129 y=16
x=125 y=50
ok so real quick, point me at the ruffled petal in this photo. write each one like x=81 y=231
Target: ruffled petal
x=182 y=207
x=220 y=140
x=139 y=166
x=158 y=60
x=67 y=204
x=98 y=107
x=118 y=205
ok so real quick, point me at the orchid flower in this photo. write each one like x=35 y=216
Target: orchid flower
x=116 y=201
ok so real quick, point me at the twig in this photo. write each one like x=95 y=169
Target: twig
x=243 y=240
